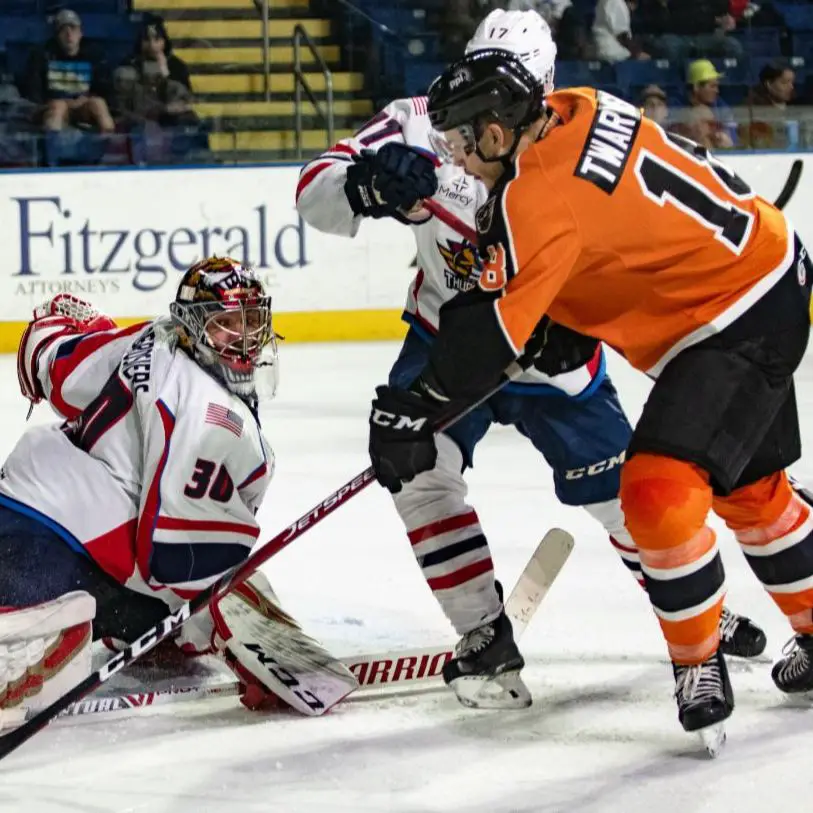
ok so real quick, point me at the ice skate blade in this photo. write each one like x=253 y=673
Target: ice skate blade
x=505 y=691
x=713 y=738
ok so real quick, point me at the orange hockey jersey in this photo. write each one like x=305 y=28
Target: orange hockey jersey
x=623 y=232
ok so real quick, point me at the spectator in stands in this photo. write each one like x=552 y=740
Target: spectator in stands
x=702 y=126
x=708 y=120
x=679 y=29
x=154 y=94
x=775 y=88
x=612 y=31
x=70 y=79
x=653 y=103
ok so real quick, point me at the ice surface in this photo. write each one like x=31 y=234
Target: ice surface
x=602 y=734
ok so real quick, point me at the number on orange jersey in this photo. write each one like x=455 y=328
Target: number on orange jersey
x=494 y=275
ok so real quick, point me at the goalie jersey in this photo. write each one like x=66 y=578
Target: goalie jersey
x=158 y=471
x=447 y=263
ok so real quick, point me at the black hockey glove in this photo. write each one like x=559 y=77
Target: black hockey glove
x=402 y=442
x=388 y=183
x=557 y=349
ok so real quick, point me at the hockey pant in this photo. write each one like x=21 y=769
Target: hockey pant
x=583 y=440
x=716 y=433
x=38 y=564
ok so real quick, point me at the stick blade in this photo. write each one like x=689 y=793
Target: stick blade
x=537 y=578
x=791 y=183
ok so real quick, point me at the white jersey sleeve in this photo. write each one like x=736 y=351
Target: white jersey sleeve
x=71 y=368
x=320 y=196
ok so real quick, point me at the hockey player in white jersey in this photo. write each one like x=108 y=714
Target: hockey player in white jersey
x=573 y=417
x=147 y=493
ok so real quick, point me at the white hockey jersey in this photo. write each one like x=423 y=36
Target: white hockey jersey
x=447 y=263
x=159 y=471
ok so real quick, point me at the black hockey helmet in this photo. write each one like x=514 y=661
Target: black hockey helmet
x=487 y=85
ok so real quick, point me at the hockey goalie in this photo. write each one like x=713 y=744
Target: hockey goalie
x=146 y=494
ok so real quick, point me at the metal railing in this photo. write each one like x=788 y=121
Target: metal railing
x=301 y=84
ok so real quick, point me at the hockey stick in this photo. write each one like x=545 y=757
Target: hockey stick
x=795 y=174
x=451 y=220
x=16 y=737
x=402 y=670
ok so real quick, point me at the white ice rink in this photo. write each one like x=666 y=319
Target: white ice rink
x=602 y=734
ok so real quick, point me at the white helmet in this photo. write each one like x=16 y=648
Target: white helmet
x=523 y=33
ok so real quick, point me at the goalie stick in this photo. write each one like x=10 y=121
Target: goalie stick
x=13 y=739
x=396 y=671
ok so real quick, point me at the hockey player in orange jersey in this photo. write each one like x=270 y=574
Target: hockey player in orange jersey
x=601 y=221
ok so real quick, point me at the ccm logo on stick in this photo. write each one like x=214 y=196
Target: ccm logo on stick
x=394 y=421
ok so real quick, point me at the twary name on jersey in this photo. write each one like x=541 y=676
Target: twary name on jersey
x=609 y=142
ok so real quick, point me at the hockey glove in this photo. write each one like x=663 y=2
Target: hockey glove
x=63 y=315
x=389 y=182
x=557 y=349
x=402 y=442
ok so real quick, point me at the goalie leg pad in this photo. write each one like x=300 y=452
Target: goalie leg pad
x=45 y=650
x=266 y=649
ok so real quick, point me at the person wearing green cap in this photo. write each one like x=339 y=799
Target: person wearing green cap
x=709 y=117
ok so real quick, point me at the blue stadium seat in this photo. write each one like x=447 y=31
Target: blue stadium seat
x=24 y=29
x=419 y=74
x=797 y=17
x=735 y=71
x=83 y=7
x=633 y=72
x=760 y=41
x=578 y=73
x=17 y=57
x=803 y=44
x=114 y=27
x=733 y=95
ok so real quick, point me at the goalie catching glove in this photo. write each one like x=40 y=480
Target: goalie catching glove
x=390 y=182
x=63 y=315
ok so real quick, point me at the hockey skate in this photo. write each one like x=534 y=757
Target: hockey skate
x=740 y=636
x=794 y=673
x=45 y=650
x=484 y=672
x=705 y=699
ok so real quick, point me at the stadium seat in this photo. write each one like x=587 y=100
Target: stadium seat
x=579 y=73
x=635 y=73
x=760 y=41
x=798 y=17
x=733 y=94
x=419 y=74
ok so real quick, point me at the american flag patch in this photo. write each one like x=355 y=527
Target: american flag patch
x=227 y=418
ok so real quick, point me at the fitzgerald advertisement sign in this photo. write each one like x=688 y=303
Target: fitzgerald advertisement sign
x=122 y=239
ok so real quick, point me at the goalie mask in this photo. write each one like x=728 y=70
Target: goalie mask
x=223 y=319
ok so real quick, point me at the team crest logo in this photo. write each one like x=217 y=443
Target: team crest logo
x=463 y=264
x=484 y=216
